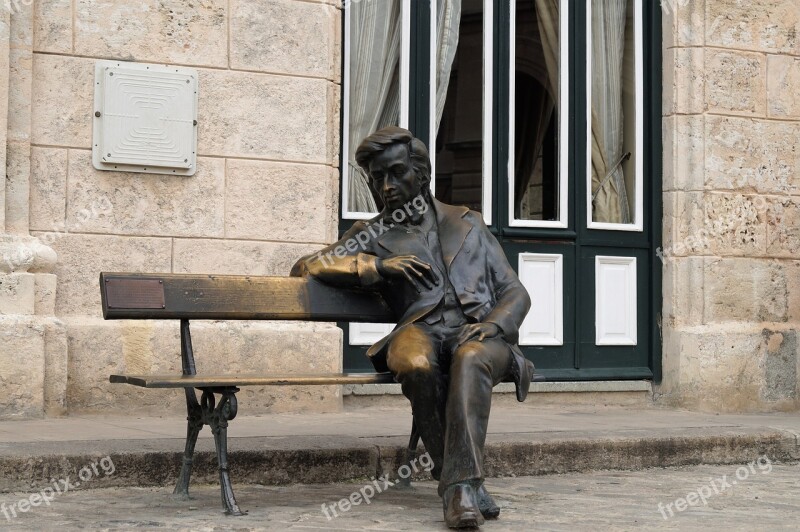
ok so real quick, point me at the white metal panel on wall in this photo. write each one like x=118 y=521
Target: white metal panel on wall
x=368 y=333
x=543 y=278
x=145 y=118
x=615 y=300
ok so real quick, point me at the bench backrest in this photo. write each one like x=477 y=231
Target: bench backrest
x=235 y=297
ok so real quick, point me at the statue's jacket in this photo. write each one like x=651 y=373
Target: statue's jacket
x=486 y=285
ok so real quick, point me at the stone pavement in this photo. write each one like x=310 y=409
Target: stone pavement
x=547 y=464
x=764 y=497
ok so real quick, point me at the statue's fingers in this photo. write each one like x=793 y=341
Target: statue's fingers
x=420 y=275
x=411 y=280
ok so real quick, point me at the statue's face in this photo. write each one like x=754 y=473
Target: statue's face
x=393 y=177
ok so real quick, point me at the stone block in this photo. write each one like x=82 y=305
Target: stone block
x=21 y=79
x=98 y=349
x=720 y=369
x=779 y=363
x=793 y=289
x=263 y=116
x=237 y=257
x=145 y=204
x=684 y=81
x=770 y=26
x=45 y=287
x=736 y=224
x=736 y=82
x=683 y=291
x=21 y=23
x=17 y=294
x=752 y=155
x=17 y=187
x=21 y=367
x=55 y=368
x=166 y=31
x=783 y=227
x=783 y=79
x=746 y=290
x=684 y=230
x=63 y=101
x=52 y=26
x=683 y=22
x=283 y=36
x=82 y=257
x=283 y=202
x=48 y=189
x=684 y=152
x=334 y=120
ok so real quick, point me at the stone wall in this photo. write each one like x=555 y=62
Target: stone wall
x=265 y=192
x=731 y=204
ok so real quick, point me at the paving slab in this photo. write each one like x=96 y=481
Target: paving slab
x=761 y=497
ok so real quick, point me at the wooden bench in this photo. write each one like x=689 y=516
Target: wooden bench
x=227 y=297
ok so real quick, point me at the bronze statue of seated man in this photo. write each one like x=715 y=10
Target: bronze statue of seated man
x=460 y=306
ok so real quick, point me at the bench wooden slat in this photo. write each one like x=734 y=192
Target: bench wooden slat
x=236 y=297
x=211 y=381
x=214 y=381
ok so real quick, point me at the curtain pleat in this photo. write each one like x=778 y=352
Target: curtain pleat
x=448 y=21
x=610 y=201
x=375 y=43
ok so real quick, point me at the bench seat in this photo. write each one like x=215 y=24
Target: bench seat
x=219 y=381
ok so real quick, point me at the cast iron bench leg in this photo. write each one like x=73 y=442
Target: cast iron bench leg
x=194 y=422
x=218 y=420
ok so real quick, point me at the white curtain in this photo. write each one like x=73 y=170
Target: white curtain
x=448 y=20
x=549 y=25
x=609 y=196
x=375 y=43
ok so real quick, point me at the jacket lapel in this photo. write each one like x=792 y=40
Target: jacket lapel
x=453 y=229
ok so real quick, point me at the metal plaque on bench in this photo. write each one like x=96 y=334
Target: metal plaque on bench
x=135 y=293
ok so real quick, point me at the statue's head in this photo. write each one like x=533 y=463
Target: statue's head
x=397 y=163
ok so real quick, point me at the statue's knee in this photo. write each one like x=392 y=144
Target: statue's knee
x=468 y=356
x=418 y=364
x=468 y=352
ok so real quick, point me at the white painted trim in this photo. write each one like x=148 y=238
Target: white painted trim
x=405 y=55
x=556 y=310
x=488 y=96
x=563 y=122
x=405 y=61
x=638 y=221
x=432 y=87
x=626 y=301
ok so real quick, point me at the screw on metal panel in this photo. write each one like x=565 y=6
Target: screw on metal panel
x=161 y=282
x=97 y=114
x=188 y=81
x=110 y=73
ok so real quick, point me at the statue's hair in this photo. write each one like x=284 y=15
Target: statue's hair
x=379 y=141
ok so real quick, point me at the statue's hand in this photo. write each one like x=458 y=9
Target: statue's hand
x=479 y=330
x=417 y=272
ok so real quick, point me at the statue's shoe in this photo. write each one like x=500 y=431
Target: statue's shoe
x=486 y=504
x=461 y=507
